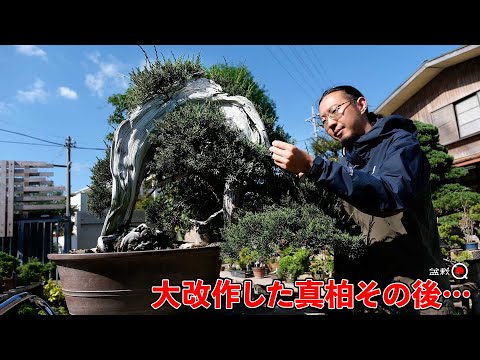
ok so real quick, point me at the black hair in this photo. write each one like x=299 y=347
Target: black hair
x=354 y=93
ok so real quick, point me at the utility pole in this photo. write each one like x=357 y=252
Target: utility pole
x=68 y=224
x=313 y=120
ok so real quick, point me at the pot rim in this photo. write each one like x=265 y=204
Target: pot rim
x=129 y=254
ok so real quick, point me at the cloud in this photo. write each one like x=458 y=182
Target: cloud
x=94 y=57
x=95 y=83
x=31 y=50
x=5 y=108
x=67 y=93
x=35 y=94
x=106 y=78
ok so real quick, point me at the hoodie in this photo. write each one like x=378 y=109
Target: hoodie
x=383 y=178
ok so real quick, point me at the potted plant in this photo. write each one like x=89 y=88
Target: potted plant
x=321 y=266
x=277 y=229
x=467 y=225
x=259 y=269
x=8 y=266
x=292 y=265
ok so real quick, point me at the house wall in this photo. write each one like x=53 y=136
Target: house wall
x=433 y=104
x=452 y=84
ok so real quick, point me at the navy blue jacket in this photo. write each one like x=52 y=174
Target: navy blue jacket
x=383 y=179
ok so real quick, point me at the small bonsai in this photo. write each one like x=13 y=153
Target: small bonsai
x=467 y=225
x=247 y=258
x=290 y=267
x=34 y=270
x=8 y=264
x=321 y=266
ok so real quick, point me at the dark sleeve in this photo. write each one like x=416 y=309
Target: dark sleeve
x=403 y=171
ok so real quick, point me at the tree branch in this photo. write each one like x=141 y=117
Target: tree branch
x=198 y=222
x=166 y=181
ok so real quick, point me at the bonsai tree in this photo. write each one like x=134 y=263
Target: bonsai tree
x=288 y=225
x=292 y=265
x=195 y=152
x=321 y=266
x=247 y=258
x=8 y=264
x=34 y=270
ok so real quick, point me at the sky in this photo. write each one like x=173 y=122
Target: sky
x=52 y=92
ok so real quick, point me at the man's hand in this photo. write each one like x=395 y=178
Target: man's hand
x=291 y=158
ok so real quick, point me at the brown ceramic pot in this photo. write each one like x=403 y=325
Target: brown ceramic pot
x=120 y=283
x=259 y=272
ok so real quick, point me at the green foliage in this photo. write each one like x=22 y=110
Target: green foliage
x=462 y=256
x=54 y=295
x=143 y=202
x=160 y=79
x=328 y=148
x=28 y=309
x=295 y=225
x=442 y=171
x=291 y=266
x=8 y=264
x=34 y=270
x=322 y=265
x=475 y=212
x=100 y=197
x=247 y=257
x=120 y=111
x=238 y=80
x=451 y=198
x=450 y=235
x=188 y=145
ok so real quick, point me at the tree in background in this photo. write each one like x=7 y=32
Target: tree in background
x=453 y=202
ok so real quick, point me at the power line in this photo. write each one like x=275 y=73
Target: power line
x=31 y=137
x=307 y=68
x=301 y=74
x=50 y=142
x=321 y=66
x=288 y=72
x=309 y=57
x=86 y=148
x=26 y=143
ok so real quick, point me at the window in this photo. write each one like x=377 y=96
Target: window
x=468 y=115
x=444 y=120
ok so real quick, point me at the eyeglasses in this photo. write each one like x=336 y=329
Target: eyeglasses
x=334 y=112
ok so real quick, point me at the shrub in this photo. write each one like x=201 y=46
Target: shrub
x=54 y=295
x=277 y=227
x=291 y=266
x=34 y=270
x=8 y=264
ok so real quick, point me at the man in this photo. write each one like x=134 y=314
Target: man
x=383 y=178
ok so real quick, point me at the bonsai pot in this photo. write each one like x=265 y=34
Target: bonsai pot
x=471 y=246
x=259 y=272
x=120 y=283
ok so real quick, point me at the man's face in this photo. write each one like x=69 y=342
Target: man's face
x=342 y=117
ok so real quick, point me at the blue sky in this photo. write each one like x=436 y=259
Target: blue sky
x=55 y=91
